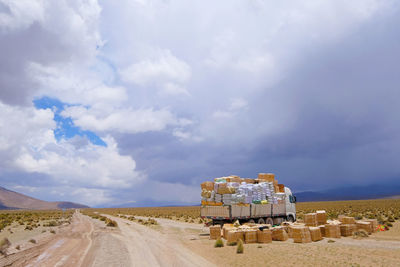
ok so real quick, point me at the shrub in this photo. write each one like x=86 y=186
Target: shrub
x=32 y=241
x=234 y=243
x=18 y=247
x=51 y=223
x=240 y=247
x=331 y=241
x=111 y=223
x=52 y=231
x=4 y=245
x=360 y=233
x=219 y=243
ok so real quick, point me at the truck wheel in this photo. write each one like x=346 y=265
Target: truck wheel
x=252 y=221
x=261 y=221
x=290 y=218
x=270 y=221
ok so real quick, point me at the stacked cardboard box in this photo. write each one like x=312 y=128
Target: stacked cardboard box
x=279 y=234
x=321 y=217
x=315 y=233
x=215 y=232
x=367 y=226
x=250 y=236
x=322 y=229
x=301 y=234
x=281 y=188
x=226 y=228
x=310 y=219
x=235 y=190
x=267 y=177
x=264 y=236
x=374 y=224
x=347 y=229
x=240 y=234
x=347 y=220
x=209 y=186
x=231 y=236
x=332 y=230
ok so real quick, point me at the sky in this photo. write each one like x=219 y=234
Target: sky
x=139 y=101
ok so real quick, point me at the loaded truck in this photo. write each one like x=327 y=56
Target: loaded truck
x=270 y=213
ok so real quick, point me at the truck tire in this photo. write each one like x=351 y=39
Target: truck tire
x=270 y=221
x=251 y=221
x=261 y=221
x=290 y=218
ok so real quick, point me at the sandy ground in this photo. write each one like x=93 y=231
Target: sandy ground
x=379 y=249
x=87 y=242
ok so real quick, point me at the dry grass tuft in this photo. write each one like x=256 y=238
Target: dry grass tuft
x=4 y=245
x=360 y=234
x=219 y=243
x=240 y=247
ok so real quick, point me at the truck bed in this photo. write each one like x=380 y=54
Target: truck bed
x=232 y=212
x=215 y=212
x=261 y=210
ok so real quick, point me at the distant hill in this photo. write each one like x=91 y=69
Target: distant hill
x=150 y=203
x=13 y=200
x=351 y=193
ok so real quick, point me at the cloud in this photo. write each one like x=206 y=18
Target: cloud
x=27 y=144
x=41 y=23
x=237 y=105
x=123 y=120
x=164 y=70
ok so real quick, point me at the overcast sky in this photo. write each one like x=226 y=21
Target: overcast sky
x=109 y=102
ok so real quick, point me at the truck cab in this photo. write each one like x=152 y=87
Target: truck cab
x=290 y=203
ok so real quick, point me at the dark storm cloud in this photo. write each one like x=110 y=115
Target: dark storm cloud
x=343 y=124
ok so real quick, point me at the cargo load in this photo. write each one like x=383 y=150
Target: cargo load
x=301 y=234
x=347 y=229
x=227 y=227
x=321 y=217
x=374 y=224
x=347 y=220
x=264 y=236
x=367 y=226
x=322 y=229
x=208 y=186
x=279 y=234
x=315 y=233
x=310 y=219
x=231 y=198
x=332 y=230
x=250 y=236
x=270 y=177
x=215 y=232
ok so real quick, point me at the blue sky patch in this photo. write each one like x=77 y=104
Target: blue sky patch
x=66 y=128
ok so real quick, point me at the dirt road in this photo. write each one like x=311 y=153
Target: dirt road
x=67 y=248
x=162 y=246
x=87 y=242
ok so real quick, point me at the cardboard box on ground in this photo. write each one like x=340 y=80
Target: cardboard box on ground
x=299 y=232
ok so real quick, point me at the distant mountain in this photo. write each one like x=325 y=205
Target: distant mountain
x=150 y=203
x=350 y=193
x=13 y=200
